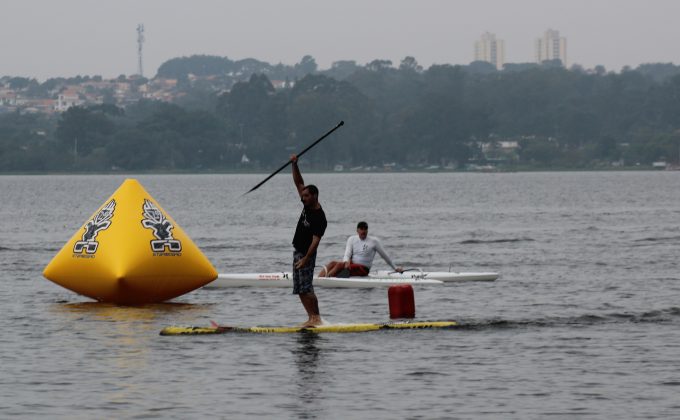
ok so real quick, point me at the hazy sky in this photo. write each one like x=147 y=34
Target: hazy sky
x=50 y=38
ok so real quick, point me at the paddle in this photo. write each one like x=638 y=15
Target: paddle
x=420 y=270
x=407 y=269
x=340 y=124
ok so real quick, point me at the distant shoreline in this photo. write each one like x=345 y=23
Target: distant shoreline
x=410 y=171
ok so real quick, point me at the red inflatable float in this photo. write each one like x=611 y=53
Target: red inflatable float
x=402 y=302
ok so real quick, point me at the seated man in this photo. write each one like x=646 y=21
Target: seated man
x=359 y=254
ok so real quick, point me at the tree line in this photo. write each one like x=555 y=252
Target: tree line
x=414 y=117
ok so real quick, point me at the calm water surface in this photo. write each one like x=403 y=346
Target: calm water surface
x=584 y=322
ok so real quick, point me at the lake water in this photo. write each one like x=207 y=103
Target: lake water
x=584 y=321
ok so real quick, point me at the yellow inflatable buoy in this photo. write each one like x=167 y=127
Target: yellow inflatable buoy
x=130 y=252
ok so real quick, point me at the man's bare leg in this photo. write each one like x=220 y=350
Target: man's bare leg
x=335 y=269
x=325 y=269
x=328 y=268
x=311 y=304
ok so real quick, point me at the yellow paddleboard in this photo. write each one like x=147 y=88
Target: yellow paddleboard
x=337 y=328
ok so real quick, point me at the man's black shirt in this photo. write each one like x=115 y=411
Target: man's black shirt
x=312 y=222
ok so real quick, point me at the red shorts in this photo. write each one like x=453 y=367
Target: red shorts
x=358 y=270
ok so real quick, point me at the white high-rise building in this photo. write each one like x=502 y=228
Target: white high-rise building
x=551 y=47
x=491 y=50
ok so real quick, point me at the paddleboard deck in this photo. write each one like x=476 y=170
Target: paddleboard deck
x=379 y=279
x=336 y=328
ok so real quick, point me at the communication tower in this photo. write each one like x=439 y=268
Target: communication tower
x=140 y=42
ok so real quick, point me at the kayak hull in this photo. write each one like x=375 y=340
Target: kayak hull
x=286 y=280
x=378 y=279
x=445 y=276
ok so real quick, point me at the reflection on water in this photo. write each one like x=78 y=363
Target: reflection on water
x=309 y=380
x=124 y=335
x=129 y=328
x=131 y=318
x=127 y=313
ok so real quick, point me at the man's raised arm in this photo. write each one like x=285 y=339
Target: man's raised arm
x=297 y=176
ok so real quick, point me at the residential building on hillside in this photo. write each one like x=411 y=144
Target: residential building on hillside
x=551 y=47
x=491 y=50
x=68 y=98
x=8 y=97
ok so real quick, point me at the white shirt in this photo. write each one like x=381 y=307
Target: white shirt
x=363 y=251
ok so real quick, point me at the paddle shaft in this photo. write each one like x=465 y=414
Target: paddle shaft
x=340 y=124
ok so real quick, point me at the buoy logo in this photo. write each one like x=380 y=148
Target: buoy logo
x=101 y=221
x=162 y=230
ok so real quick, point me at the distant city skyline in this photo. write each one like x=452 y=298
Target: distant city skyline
x=44 y=39
x=552 y=46
x=490 y=49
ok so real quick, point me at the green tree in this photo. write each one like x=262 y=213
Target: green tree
x=410 y=64
x=341 y=70
x=307 y=65
x=316 y=104
x=84 y=129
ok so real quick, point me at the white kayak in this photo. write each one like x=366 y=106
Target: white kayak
x=445 y=276
x=378 y=279
x=283 y=279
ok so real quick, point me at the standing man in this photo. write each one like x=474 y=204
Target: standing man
x=310 y=228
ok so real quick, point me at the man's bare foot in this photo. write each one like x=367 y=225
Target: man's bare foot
x=218 y=327
x=312 y=322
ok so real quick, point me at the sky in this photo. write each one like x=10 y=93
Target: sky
x=65 y=38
